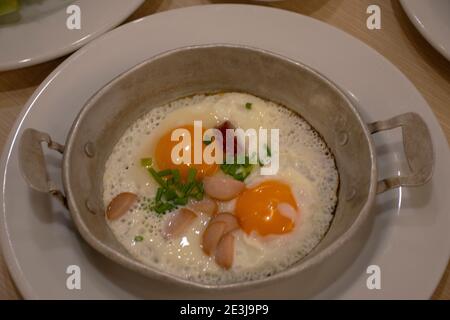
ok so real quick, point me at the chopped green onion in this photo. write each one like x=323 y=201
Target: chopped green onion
x=268 y=153
x=248 y=106
x=181 y=201
x=190 y=188
x=171 y=192
x=176 y=176
x=146 y=162
x=165 y=173
x=164 y=207
x=156 y=176
x=239 y=171
x=199 y=196
x=159 y=194
x=191 y=175
x=138 y=238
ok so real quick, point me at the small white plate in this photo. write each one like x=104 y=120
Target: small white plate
x=38 y=31
x=432 y=19
x=409 y=241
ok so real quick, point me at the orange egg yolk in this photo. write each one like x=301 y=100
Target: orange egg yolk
x=257 y=208
x=163 y=155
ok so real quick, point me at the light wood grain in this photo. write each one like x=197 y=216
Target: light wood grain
x=397 y=40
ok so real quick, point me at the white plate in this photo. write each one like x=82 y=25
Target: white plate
x=432 y=19
x=410 y=239
x=38 y=32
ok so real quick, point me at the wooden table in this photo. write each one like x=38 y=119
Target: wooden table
x=397 y=40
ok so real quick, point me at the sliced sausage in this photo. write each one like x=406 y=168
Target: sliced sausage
x=120 y=205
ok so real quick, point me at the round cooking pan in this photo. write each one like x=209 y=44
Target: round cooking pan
x=219 y=68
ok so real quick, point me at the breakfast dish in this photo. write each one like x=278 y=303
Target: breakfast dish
x=229 y=226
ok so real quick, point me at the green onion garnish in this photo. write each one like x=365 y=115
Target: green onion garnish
x=239 y=171
x=159 y=194
x=269 y=154
x=156 y=176
x=191 y=175
x=165 y=173
x=181 y=201
x=172 y=192
x=176 y=176
x=146 y=162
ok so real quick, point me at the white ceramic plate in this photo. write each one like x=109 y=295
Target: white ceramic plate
x=409 y=241
x=432 y=19
x=38 y=32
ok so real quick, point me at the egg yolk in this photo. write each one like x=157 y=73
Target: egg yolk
x=257 y=208
x=163 y=155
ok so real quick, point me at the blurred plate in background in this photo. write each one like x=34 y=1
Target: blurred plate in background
x=432 y=19
x=37 y=32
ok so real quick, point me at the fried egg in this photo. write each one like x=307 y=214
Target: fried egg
x=281 y=217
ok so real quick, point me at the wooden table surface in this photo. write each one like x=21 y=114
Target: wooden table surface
x=397 y=40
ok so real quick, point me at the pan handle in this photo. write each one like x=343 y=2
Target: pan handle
x=418 y=149
x=32 y=162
